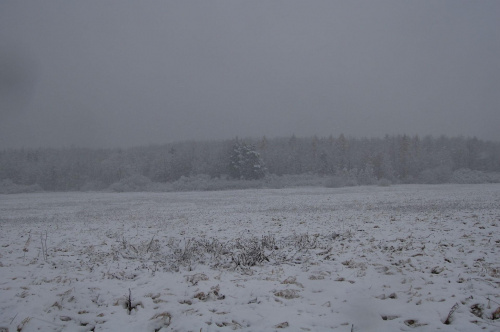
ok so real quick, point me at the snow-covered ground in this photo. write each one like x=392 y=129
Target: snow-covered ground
x=399 y=258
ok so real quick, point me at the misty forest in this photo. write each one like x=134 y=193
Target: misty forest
x=273 y=163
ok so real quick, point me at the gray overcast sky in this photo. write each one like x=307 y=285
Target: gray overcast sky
x=127 y=73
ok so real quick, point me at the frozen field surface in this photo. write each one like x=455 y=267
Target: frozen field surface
x=400 y=258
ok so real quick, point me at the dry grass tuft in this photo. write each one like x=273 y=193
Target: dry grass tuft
x=287 y=294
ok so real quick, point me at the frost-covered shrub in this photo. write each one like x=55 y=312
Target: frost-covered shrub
x=93 y=186
x=274 y=181
x=204 y=182
x=198 y=182
x=384 y=182
x=135 y=182
x=495 y=177
x=9 y=187
x=298 y=180
x=336 y=182
x=466 y=175
x=344 y=178
x=366 y=176
x=440 y=174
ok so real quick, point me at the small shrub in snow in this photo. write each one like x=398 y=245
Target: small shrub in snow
x=336 y=182
x=350 y=178
x=440 y=174
x=467 y=176
x=477 y=310
x=249 y=253
x=135 y=182
x=300 y=180
x=203 y=182
x=9 y=187
x=287 y=294
x=384 y=182
x=195 y=278
x=496 y=314
x=282 y=325
x=162 y=319
x=305 y=241
x=93 y=186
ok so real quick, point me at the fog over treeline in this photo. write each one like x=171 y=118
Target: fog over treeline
x=123 y=73
x=253 y=163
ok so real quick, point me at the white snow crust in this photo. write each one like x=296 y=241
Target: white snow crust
x=400 y=258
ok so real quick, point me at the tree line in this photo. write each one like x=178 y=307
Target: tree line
x=396 y=159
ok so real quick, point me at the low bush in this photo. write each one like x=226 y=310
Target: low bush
x=9 y=187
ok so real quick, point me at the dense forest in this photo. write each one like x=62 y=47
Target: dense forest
x=277 y=162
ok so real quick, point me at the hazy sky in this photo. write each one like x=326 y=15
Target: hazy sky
x=127 y=73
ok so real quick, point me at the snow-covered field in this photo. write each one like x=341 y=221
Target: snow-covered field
x=399 y=258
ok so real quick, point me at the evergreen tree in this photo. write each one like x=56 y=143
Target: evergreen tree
x=245 y=162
